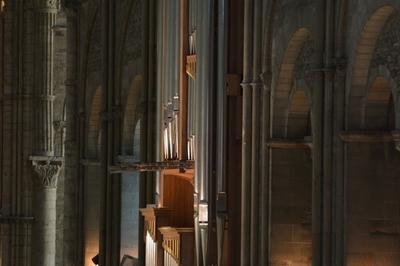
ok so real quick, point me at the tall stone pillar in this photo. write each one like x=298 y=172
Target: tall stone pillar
x=45 y=165
x=44 y=229
x=45 y=17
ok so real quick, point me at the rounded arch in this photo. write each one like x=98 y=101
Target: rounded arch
x=361 y=67
x=94 y=124
x=287 y=97
x=132 y=115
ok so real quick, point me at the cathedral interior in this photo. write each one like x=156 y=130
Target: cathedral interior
x=200 y=132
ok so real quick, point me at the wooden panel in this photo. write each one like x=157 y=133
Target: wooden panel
x=177 y=194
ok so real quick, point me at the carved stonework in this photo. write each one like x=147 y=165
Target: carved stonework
x=396 y=139
x=388 y=48
x=397 y=145
x=341 y=66
x=47 y=173
x=133 y=49
x=49 y=5
x=59 y=125
x=94 y=62
x=70 y=7
x=303 y=63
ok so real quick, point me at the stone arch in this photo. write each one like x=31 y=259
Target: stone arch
x=298 y=121
x=377 y=105
x=94 y=124
x=381 y=101
x=132 y=115
x=286 y=84
x=362 y=64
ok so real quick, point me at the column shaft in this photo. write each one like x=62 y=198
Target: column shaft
x=44 y=228
x=246 y=134
x=73 y=195
x=44 y=83
x=44 y=233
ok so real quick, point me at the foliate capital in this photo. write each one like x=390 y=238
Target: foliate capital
x=396 y=139
x=47 y=173
x=47 y=5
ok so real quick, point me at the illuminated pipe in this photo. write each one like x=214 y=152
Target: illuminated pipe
x=170 y=147
x=176 y=123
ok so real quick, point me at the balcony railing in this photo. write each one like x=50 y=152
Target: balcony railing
x=178 y=245
x=154 y=218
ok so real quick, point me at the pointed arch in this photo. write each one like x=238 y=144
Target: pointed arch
x=285 y=85
x=361 y=67
x=377 y=105
x=132 y=115
x=299 y=112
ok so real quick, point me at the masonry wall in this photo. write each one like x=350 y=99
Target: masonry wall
x=373 y=204
x=129 y=90
x=291 y=235
x=16 y=82
x=91 y=217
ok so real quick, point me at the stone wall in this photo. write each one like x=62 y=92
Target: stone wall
x=373 y=202
x=291 y=234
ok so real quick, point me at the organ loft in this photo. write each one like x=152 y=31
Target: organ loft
x=199 y=132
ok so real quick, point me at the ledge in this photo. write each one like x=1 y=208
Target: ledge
x=128 y=166
x=16 y=219
x=90 y=162
x=290 y=144
x=369 y=136
x=49 y=159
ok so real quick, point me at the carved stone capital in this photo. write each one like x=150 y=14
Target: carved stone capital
x=71 y=7
x=341 y=66
x=47 y=5
x=396 y=139
x=47 y=171
x=59 y=125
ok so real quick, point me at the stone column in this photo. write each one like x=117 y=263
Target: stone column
x=73 y=235
x=45 y=166
x=44 y=232
x=246 y=134
x=45 y=17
